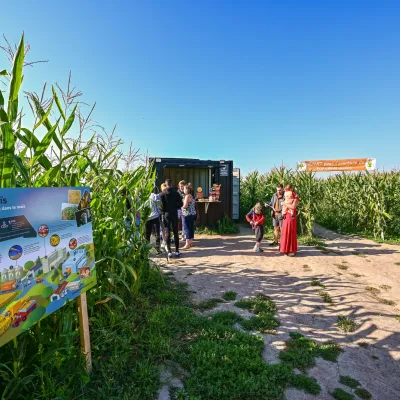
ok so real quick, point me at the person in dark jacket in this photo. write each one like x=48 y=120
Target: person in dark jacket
x=171 y=202
x=276 y=205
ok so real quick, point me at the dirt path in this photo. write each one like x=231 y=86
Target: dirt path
x=371 y=353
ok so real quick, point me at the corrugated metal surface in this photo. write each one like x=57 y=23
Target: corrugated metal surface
x=235 y=193
x=198 y=177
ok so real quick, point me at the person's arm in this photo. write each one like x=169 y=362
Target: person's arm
x=162 y=205
x=249 y=216
x=187 y=200
x=292 y=206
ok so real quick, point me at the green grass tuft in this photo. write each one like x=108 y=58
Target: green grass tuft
x=306 y=383
x=372 y=290
x=363 y=394
x=397 y=317
x=326 y=297
x=342 y=267
x=258 y=304
x=227 y=318
x=346 y=324
x=348 y=381
x=263 y=322
x=356 y=275
x=316 y=282
x=340 y=394
x=301 y=352
x=229 y=296
x=208 y=304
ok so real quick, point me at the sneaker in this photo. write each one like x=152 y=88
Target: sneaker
x=261 y=250
x=257 y=250
x=177 y=254
x=169 y=255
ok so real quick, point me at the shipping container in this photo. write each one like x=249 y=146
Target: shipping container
x=201 y=173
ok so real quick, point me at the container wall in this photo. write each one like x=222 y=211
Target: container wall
x=198 y=177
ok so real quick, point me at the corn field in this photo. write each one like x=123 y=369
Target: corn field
x=360 y=203
x=62 y=148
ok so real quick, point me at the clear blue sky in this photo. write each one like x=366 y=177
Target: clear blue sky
x=254 y=81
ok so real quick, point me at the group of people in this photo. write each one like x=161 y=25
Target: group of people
x=283 y=206
x=171 y=209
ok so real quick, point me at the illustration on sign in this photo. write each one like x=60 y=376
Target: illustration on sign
x=353 y=164
x=224 y=171
x=46 y=254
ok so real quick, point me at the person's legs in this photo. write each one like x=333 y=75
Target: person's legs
x=149 y=228
x=259 y=237
x=158 y=228
x=190 y=229
x=174 y=224
x=168 y=224
x=185 y=228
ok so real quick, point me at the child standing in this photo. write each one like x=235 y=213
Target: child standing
x=256 y=219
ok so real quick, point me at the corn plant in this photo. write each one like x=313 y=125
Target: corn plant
x=54 y=152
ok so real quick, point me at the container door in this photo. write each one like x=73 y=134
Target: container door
x=235 y=193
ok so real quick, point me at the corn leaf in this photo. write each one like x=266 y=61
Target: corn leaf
x=7 y=156
x=69 y=122
x=44 y=117
x=16 y=80
x=58 y=103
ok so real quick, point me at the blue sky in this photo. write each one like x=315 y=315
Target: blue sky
x=259 y=82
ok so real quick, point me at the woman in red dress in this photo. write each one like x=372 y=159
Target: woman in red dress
x=288 y=244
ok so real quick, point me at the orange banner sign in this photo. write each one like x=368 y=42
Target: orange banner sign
x=351 y=164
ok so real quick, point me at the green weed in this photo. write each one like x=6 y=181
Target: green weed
x=326 y=297
x=258 y=304
x=306 y=383
x=340 y=394
x=363 y=394
x=342 y=267
x=316 y=282
x=356 y=275
x=263 y=322
x=397 y=317
x=348 y=381
x=208 y=304
x=346 y=324
x=372 y=290
x=301 y=352
x=229 y=296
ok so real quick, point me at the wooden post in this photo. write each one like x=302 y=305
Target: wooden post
x=84 y=330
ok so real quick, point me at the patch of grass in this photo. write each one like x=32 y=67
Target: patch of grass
x=372 y=290
x=301 y=352
x=312 y=241
x=375 y=358
x=348 y=381
x=227 y=318
x=340 y=394
x=346 y=324
x=316 y=282
x=397 y=317
x=306 y=383
x=385 y=287
x=326 y=297
x=208 y=304
x=363 y=393
x=342 y=267
x=365 y=345
x=385 y=301
x=258 y=304
x=223 y=227
x=357 y=275
x=358 y=254
x=229 y=296
x=306 y=268
x=263 y=322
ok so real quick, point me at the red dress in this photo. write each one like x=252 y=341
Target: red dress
x=289 y=234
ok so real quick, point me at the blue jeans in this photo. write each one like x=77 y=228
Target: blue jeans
x=188 y=225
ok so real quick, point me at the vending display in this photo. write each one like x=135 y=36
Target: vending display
x=215 y=192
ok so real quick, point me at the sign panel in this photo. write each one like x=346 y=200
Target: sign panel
x=224 y=170
x=351 y=164
x=46 y=253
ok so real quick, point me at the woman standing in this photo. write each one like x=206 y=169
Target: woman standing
x=288 y=244
x=189 y=215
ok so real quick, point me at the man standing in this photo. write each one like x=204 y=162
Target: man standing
x=171 y=202
x=181 y=191
x=276 y=213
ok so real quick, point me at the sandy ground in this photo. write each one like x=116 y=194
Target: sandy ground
x=218 y=264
